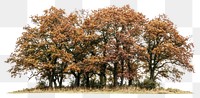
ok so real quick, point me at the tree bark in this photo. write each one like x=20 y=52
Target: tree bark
x=152 y=74
x=60 y=82
x=87 y=80
x=115 y=75
x=55 y=84
x=130 y=80
x=103 y=76
x=50 y=80
x=122 y=72
x=77 y=80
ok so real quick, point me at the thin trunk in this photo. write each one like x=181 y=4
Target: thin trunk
x=130 y=80
x=101 y=79
x=50 y=80
x=152 y=61
x=105 y=79
x=122 y=72
x=103 y=75
x=152 y=75
x=60 y=82
x=115 y=71
x=77 y=81
x=55 y=84
x=115 y=75
x=87 y=80
x=122 y=80
x=50 y=83
x=151 y=69
x=103 y=70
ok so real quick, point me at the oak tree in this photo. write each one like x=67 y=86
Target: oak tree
x=117 y=28
x=108 y=46
x=41 y=49
x=166 y=50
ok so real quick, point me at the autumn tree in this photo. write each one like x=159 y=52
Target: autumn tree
x=166 y=50
x=109 y=45
x=83 y=51
x=42 y=48
x=117 y=29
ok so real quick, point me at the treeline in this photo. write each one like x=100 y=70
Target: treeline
x=112 y=46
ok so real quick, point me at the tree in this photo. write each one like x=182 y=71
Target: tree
x=83 y=51
x=117 y=29
x=166 y=50
x=108 y=46
x=42 y=49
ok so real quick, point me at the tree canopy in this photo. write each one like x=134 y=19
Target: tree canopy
x=112 y=46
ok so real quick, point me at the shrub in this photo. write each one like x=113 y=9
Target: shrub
x=41 y=84
x=148 y=84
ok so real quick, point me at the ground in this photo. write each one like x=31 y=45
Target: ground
x=125 y=90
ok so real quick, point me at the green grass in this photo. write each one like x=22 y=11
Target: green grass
x=122 y=90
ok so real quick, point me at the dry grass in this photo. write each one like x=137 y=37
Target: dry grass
x=125 y=90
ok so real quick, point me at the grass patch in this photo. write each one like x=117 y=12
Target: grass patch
x=125 y=90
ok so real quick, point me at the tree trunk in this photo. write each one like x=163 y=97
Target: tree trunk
x=77 y=80
x=152 y=75
x=101 y=79
x=60 y=82
x=151 y=69
x=50 y=82
x=115 y=75
x=122 y=80
x=103 y=72
x=55 y=84
x=130 y=82
x=122 y=72
x=103 y=76
x=87 y=80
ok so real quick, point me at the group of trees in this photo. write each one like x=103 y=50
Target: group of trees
x=112 y=46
